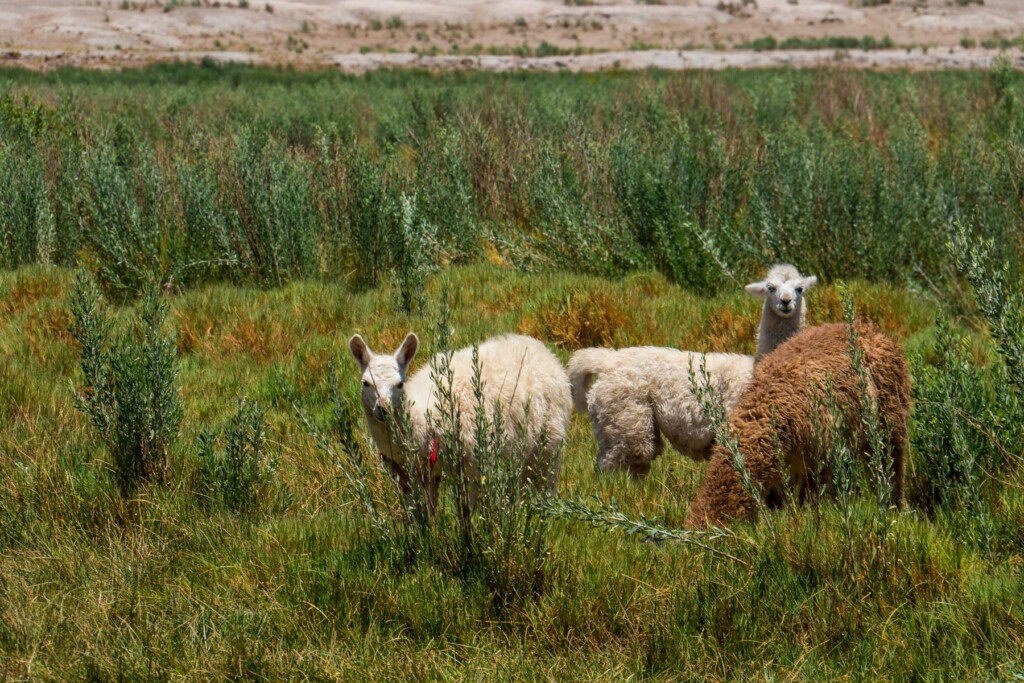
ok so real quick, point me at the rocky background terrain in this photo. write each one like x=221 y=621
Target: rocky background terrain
x=577 y=34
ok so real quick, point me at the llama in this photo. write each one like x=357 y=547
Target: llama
x=781 y=411
x=636 y=395
x=519 y=376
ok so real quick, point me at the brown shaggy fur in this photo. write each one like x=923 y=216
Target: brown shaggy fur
x=781 y=398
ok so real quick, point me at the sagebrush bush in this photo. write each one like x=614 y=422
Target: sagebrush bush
x=500 y=533
x=209 y=250
x=238 y=472
x=122 y=217
x=411 y=252
x=444 y=196
x=998 y=296
x=967 y=431
x=701 y=177
x=271 y=212
x=129 y=389
x=963 y=419
x=651 y=188
x=27 y=230
x=368 y=208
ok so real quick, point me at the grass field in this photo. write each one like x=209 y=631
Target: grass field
x=277 y=213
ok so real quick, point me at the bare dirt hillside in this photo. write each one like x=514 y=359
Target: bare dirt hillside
x=361 y=34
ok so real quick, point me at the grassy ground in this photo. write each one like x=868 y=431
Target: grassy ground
x=162 y=586
x=278 y=213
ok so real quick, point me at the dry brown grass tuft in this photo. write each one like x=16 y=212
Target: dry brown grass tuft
x=189 y=338
x=262 y=339
x=649 y=284
x=44 y=327
x=580 y=320
x=390 y=338
x=891 y=310
x=26 y=290
x=726 y=330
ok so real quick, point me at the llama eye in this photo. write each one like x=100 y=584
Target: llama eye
x=771 y=288
x=365 y=383
x=799 y=290
x=401 y=384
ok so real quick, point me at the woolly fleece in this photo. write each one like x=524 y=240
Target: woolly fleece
x=781 y=398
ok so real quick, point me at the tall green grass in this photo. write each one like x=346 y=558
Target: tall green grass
x=189 y=174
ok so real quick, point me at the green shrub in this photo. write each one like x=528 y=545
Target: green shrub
x=367 y=208
x=240 y=474
x=444 y=196
x=996 y=293
x=207 y=249
x=27 y=120
x=27 y=229
x=962 y=417
x=173 y=175
x=130 y=388
x=763 y=43
x=966 y=431
x=122 y=220
x=411 y=257
x=272 y=217
x=502 y=541
x=650 y=190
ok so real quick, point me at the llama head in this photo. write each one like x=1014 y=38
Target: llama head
x=383 y=375
x=783 y=290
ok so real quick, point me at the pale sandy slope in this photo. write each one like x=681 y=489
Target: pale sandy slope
x=111 y=32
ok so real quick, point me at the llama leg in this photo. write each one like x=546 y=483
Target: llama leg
x=624 y=428
x=898 y=447
x=541 y=470
x=641 y=468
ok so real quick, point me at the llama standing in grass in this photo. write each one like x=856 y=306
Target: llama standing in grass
x=636 y=395
x=782 y=410
x=519 y=376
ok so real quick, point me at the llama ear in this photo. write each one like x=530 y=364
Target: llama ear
x=758 y=289
x=407 y=350
x=360 y=351
x=809 y=281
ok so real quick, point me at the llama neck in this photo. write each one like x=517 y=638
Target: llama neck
x=381 y=436
x=775 y=330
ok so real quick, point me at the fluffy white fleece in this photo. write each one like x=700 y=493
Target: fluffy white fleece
x=643 y=393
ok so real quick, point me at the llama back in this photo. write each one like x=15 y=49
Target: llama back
x=587 y=365
x=519 y=374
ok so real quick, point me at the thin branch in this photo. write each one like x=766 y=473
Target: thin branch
x=607 y=516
